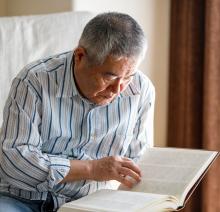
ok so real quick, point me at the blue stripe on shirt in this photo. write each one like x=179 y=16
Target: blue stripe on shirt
x=49 y=108
x=119 y=119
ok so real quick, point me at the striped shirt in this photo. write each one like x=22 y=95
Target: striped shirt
x=47 y=123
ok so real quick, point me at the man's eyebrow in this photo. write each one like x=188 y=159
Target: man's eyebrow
x=115 y=75
x=110 y=73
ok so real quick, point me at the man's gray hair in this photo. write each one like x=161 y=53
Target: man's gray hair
x=115 y=34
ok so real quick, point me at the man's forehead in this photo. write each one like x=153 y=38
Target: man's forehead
x=123 y=62
x=123 y=59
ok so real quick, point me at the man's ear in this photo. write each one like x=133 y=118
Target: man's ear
x=79 y=55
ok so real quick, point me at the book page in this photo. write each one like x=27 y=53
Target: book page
x=115 y=200
x=171 y=171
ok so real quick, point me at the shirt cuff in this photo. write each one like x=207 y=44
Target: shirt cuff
x=58 y=169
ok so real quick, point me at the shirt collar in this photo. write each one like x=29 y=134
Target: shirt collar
x=66 y=84
x=132 y=89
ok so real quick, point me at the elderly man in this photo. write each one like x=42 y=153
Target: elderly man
x=75 y=121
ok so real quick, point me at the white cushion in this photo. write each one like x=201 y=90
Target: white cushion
x=28 y=38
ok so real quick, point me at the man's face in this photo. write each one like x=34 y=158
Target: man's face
x=102 y=83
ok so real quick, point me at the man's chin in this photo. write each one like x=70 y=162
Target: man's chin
x=103 y=101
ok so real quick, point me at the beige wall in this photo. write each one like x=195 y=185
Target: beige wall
x=2 y=7
x=30 y=7
x=153 y=15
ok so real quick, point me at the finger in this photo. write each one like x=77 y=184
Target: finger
x=131 y=165
x=128 y=172
x=126 y=158
x=122 y=179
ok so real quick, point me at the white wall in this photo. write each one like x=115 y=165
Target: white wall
x=153 y=16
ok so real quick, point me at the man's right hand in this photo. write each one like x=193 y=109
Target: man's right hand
x=117 y=168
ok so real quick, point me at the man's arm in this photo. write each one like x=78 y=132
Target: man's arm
x=22 y=162
x=108 y=168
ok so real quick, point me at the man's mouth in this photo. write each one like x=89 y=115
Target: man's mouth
x=108 y=97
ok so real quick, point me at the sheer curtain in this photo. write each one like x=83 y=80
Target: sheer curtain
x=194 y=89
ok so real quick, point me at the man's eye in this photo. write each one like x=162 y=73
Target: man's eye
x=110 y=77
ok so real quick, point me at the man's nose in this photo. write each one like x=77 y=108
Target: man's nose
x=116 y=86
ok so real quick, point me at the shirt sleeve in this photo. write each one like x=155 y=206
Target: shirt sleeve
x=22 y=162
x=144 y=128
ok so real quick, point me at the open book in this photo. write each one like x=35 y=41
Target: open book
x=169 y=176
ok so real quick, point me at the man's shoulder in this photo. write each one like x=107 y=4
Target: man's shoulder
x=45 y=65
